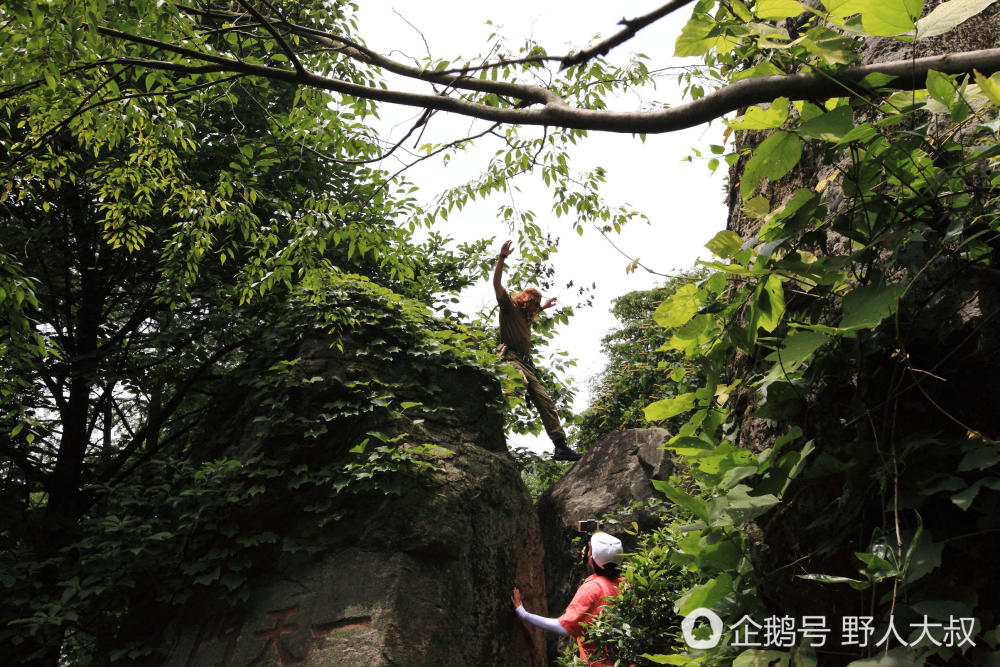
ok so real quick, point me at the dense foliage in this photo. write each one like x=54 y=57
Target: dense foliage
x=838 y=460
x=175 y=215
x=640 y=366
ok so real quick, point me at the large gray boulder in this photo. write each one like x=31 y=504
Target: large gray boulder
x=615 y=474
x=426 y=583
x=416 y=570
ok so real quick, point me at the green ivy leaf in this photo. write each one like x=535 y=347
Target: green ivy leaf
x=774 y=158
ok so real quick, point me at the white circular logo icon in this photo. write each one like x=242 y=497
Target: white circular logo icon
x=687 y=625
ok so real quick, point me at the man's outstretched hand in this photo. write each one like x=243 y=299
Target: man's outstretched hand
x=516 y=598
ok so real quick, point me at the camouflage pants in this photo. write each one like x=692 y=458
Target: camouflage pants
x=539 y=397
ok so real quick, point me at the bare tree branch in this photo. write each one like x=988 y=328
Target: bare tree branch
x=632 y=26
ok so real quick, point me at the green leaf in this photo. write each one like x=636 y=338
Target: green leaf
x=885 y=18
x=757 y=207
x=669 y=407
x=770 y=303
x=941 y=88
x=949 y=14
x=923 y=557
x=989 y=87
x=798 y=348
x=674 y=659
x=694 y=505
x=866 y=306
x=964 y=498
x=897 y=657
x=833 y=579
x=718 y=554
x=831 y=126
x=832 y=47
x=738 y=507
x=758 y=118
x=680 y=307
x=725 y=244
x=774 y=158
x=694 y=39
x=706 y=595
x=862 y=133
x=979 y=458
x=766 y=68
x=756 y=657
x=843 y=8
x=775 y=10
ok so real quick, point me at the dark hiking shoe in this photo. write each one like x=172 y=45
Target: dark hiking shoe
x=564 y=453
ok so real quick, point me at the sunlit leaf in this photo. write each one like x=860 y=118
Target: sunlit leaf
x=669 y=407
x=725 y=244
x=680 y=307
x=775 y=10
x=949 y=14
x=774 y=158
x=759 y=118
x=885 y=18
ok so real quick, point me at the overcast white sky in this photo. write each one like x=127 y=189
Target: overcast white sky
x=683 y=201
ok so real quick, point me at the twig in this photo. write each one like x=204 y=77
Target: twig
x=632 y=26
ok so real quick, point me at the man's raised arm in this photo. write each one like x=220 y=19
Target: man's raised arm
x=505 y=251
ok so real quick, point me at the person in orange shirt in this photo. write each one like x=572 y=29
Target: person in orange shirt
x=604 y=556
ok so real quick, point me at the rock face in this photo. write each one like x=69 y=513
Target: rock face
x=427 y=584
x=613 y=474
x=414 y=565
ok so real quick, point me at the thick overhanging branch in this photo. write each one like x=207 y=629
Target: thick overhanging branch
x=539 y=106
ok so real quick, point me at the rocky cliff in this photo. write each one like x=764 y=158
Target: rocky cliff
x=614 y=477
x=384 y=522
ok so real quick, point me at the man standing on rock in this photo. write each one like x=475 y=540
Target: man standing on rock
x=516 y=316
x=603 y=554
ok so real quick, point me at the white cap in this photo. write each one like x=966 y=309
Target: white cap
x=605 y=549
